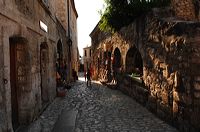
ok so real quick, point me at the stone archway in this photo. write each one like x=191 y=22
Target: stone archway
x=44 y=58
x=59 y=63
x=109 y=66
x=117 y=61
x=134 y=62
x=59 y=54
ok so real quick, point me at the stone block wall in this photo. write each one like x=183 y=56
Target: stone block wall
x=169 y=73
x=184 y=9
x=133 y=88
x=170 y=53
x=194 y=64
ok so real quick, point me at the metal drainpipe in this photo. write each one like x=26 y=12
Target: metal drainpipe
x=69 y=39
x=69 y=35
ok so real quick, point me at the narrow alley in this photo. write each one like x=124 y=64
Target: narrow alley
x=143 y=57
x=97 y=108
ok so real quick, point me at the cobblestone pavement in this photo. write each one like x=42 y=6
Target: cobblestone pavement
x=100 y=109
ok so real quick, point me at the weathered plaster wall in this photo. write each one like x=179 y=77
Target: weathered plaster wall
x=6 y=30
x=3 y=111
x=22 y=20
x=2 y=105
x=73 y=33
x=61 y=12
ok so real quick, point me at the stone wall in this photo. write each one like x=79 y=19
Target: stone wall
x=61 y=33
x=185 y=9
x=133 y=88
x=21 y=21
x=170 y=53
x=73 y=30
x=61 y=12
x=70 y=26
x=168 y=72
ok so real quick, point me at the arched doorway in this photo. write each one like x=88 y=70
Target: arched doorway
x=134 y=63
x=129 y=60
x=19 y=65
x=59 y=63
x=138 y=62
x=44 y=72
x=59 y=54
x=109 y=66
x=116 y=64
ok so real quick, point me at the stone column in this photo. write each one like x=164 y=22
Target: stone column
x=184 y=9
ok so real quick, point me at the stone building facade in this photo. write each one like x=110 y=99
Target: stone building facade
x=32 y=39
x=73 y=33
x=87 y=57
x=67 y=15
x=163 y=52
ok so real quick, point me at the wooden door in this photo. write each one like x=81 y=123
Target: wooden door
x=44 y=74
x=18 y=78
x=13 y=80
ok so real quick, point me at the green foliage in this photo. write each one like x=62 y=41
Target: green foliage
x=135 y=75
x=119 y=13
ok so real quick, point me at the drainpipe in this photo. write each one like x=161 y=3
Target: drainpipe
x=69 y=41
x=69 y=35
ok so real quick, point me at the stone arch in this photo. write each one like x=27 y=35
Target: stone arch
x=19 y=79
x=44 y=60
x=134 y=62
x=109 y=66
x=117 y=60
x=59 y=54
x=59 y=47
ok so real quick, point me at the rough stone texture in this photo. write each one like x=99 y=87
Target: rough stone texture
x=73 y=33
x=20 y=21
x=70 y=25
x=63 y=39
x=170 y=53
x=99 y=109
x=185 y=9
x=87 y=58
x=133 y=88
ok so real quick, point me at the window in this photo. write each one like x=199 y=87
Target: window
x=85 y=53
x=90 y=52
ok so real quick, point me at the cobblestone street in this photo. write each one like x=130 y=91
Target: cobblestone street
x=100 y=109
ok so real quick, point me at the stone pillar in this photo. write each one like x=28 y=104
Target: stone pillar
x=184 y=9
